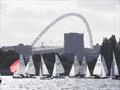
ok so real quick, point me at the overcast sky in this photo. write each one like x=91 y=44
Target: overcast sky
x=23 y=20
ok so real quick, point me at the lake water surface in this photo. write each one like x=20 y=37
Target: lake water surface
x=8 y=83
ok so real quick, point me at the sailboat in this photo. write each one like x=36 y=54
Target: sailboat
x=0 y=79
x=85 y=72
x=58 y=67
x=30 y=68
x=104 y=64
x=20 y=68
x=114 y=68
x=43 y=69
x=75 y=69
x=100 y=70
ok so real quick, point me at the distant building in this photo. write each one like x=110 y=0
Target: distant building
x=47 y=49
x=74 y=44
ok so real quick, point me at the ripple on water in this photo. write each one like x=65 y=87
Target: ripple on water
x=60 y=84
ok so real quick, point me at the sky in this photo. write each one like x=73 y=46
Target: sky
x=22 y=20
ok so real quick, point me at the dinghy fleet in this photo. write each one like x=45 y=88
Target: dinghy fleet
x=77 y=69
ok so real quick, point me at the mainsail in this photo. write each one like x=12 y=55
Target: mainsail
x=0 y=77
x=84 y=68
x=20 y=66
x=13 y=67
x=104 y=64
x=114 y=68
x=99 y=69
x=30 y=68
x=87 y=72
x=58 y=67
x=43 y=68
x=75 y=70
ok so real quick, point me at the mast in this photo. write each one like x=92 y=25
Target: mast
x=0 y=77
x=84 y=68
x=87 y=72
x=40 y=71
x=43 y=67
x=99 y=69
x=55 y=69
x=75 y=69
x=114 y=67
x=30 y=68
x=111 y=73
x=21 y=66
x=72 y=71
x=103 y=72
x=104 y=64
x=58 y=67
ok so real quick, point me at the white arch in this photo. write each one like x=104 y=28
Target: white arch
x=60 y=18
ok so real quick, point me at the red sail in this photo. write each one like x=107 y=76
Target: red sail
x=13 y=67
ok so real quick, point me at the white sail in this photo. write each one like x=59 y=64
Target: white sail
x=0 y=77
x=72 y=71
x=87 y=72
x=43 y=68
x=17 y=70
x=99 y=69
x=114 y=68
x=40 y=72
x=84 y=68
x=75 y=70
x=58 y=67
x=103 y=72
x=30 y=68
x=21 y=66
x=55 y=70
x=111 y=74
x=104 y=64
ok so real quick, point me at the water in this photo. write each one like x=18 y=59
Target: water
x=8 y=83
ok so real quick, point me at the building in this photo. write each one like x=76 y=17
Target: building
x=74 y=44
x=47 y=49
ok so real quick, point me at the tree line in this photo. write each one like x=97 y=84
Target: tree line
x=106 y=49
